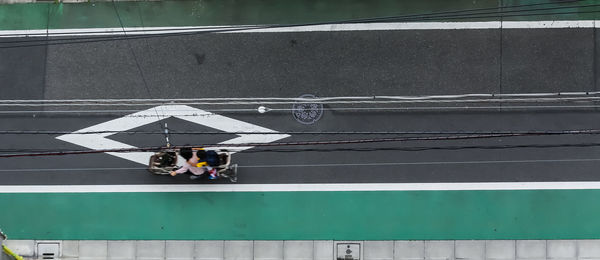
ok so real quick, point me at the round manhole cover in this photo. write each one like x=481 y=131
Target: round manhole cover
x=307 y=113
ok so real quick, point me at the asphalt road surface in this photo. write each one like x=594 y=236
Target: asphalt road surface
x=444 y=161
x=409 y=62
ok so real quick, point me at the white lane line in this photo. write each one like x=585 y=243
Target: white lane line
x=312 y=28
x=111 y=31
x=472 y=186
x=384 y=27
x=548 y=24
x=34 y=170
x=420 y=163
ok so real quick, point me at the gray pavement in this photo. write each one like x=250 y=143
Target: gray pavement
x=548 y=60
x=312 y=250
x=413 y=62
x=22 y=72
x=282 y=64
x=410 y=62
x=335 y=163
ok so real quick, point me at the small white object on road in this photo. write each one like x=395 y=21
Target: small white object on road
x=262 y=109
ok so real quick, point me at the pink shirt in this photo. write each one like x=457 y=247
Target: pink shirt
x=187 y=166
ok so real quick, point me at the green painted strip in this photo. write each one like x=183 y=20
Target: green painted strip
x=228 y=12
x=550 y=214
x=23 y=16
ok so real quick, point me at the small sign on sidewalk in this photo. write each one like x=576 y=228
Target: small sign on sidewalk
x=348 y=251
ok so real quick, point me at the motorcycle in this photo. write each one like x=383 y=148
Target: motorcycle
x=165 y=161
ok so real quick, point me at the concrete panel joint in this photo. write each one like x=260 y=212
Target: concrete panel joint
x=309 y=250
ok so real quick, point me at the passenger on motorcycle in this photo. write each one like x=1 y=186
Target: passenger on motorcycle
x=193 y=164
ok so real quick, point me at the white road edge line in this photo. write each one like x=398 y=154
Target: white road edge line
x=311 y=28
x=472 y=186
x=426 y=163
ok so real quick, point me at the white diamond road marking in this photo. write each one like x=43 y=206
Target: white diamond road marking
x=201 y=117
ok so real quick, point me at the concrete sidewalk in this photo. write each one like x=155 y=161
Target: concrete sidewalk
x=311 y=250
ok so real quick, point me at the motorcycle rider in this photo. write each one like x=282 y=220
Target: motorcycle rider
x=193 y=164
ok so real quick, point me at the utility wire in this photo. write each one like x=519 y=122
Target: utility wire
x=165 y=130
x=470 y=16
x=321 y=99
x=43 y=152
x=362 y=20
x=280 y=144
x=316 y=99
x=337 y=109
x=373 y=101
x=359 y=20
x=76 y=41
x=393 y=163
x=424 y=148
x=464 y=98
x=175 y=132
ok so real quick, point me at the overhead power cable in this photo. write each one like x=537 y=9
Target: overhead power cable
x=500 y=9
x=423 y=148
x=470 y=98
x=175 y=132
x=466 y=16
x=91 y=40
x=143 y=78
x=316 y=99
x=30 y=152
x=351 y=164
x=356 y=102
x=281 y=144
x=336 y=109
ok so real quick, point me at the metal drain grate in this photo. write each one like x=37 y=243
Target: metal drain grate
x=48 y=250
